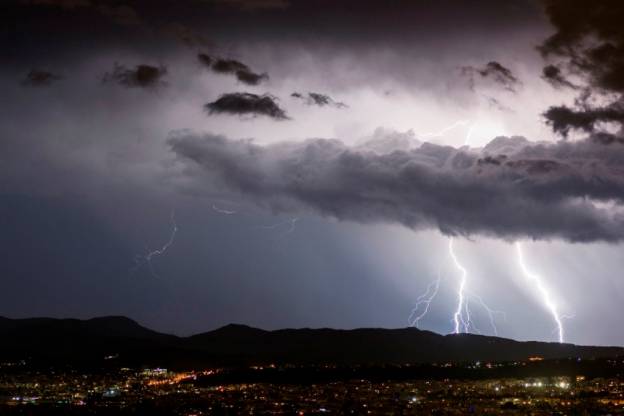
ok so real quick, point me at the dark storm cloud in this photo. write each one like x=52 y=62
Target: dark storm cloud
x=495 y=72
x=40 y=78
x=250 y=78
x=244 y=103
x=231 y=66
x=553 y=75
x=591 y=37
x=141 y=76
x=563 y=119
x=590 y=40
x=205 y=59
x=534 y=190
x=321 y=100
x=228 y=66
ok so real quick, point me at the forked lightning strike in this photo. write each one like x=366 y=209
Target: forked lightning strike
x=461 y=320
x=458 y=316
x=548 y=302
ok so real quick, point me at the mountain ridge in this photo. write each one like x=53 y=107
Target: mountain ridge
x=75 y=340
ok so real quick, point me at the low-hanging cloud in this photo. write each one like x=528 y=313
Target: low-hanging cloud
x=245 y=103
x=495 y=72
x=563 y=118
x=141 y=76
x=554 y=76
x=40 y=78
x=321 y=100
x=510 y=189
x=231 y=66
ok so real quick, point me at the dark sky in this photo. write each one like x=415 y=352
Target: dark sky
x=306 y=163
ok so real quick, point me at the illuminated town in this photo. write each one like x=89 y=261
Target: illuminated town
x=160 y=391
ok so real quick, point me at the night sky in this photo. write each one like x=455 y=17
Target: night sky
x=316 y=163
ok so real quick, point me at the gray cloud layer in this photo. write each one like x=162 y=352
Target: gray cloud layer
x=511 y=189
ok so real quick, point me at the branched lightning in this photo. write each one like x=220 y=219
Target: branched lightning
x=548 y=301
x=491 y=313
x=462 y=319
x=424 y=301
x=147 y=258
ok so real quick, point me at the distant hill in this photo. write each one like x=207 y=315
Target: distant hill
x=124 y=342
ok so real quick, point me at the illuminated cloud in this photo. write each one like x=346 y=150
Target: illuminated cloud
x=536 y=190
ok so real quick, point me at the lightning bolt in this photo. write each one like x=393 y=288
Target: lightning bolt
x=548 y=301
x=147 y=258
x=424 y=299
x=462 y=320
x=489 y=311
x=458 y=317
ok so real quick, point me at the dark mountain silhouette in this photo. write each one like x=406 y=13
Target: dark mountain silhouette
x=78 y=342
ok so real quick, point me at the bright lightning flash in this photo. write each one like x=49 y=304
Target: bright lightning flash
x=548 y=302
x=462 y=319
x=458 y=316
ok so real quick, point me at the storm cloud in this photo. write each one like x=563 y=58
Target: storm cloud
x=563 y=119
x=244 y=103
x=40 y=78
x=554 y=76
x=534 y=190
x=589 y=39
x=231 y=66
x=321 y=100
x=495 y=72
x=141 y=76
